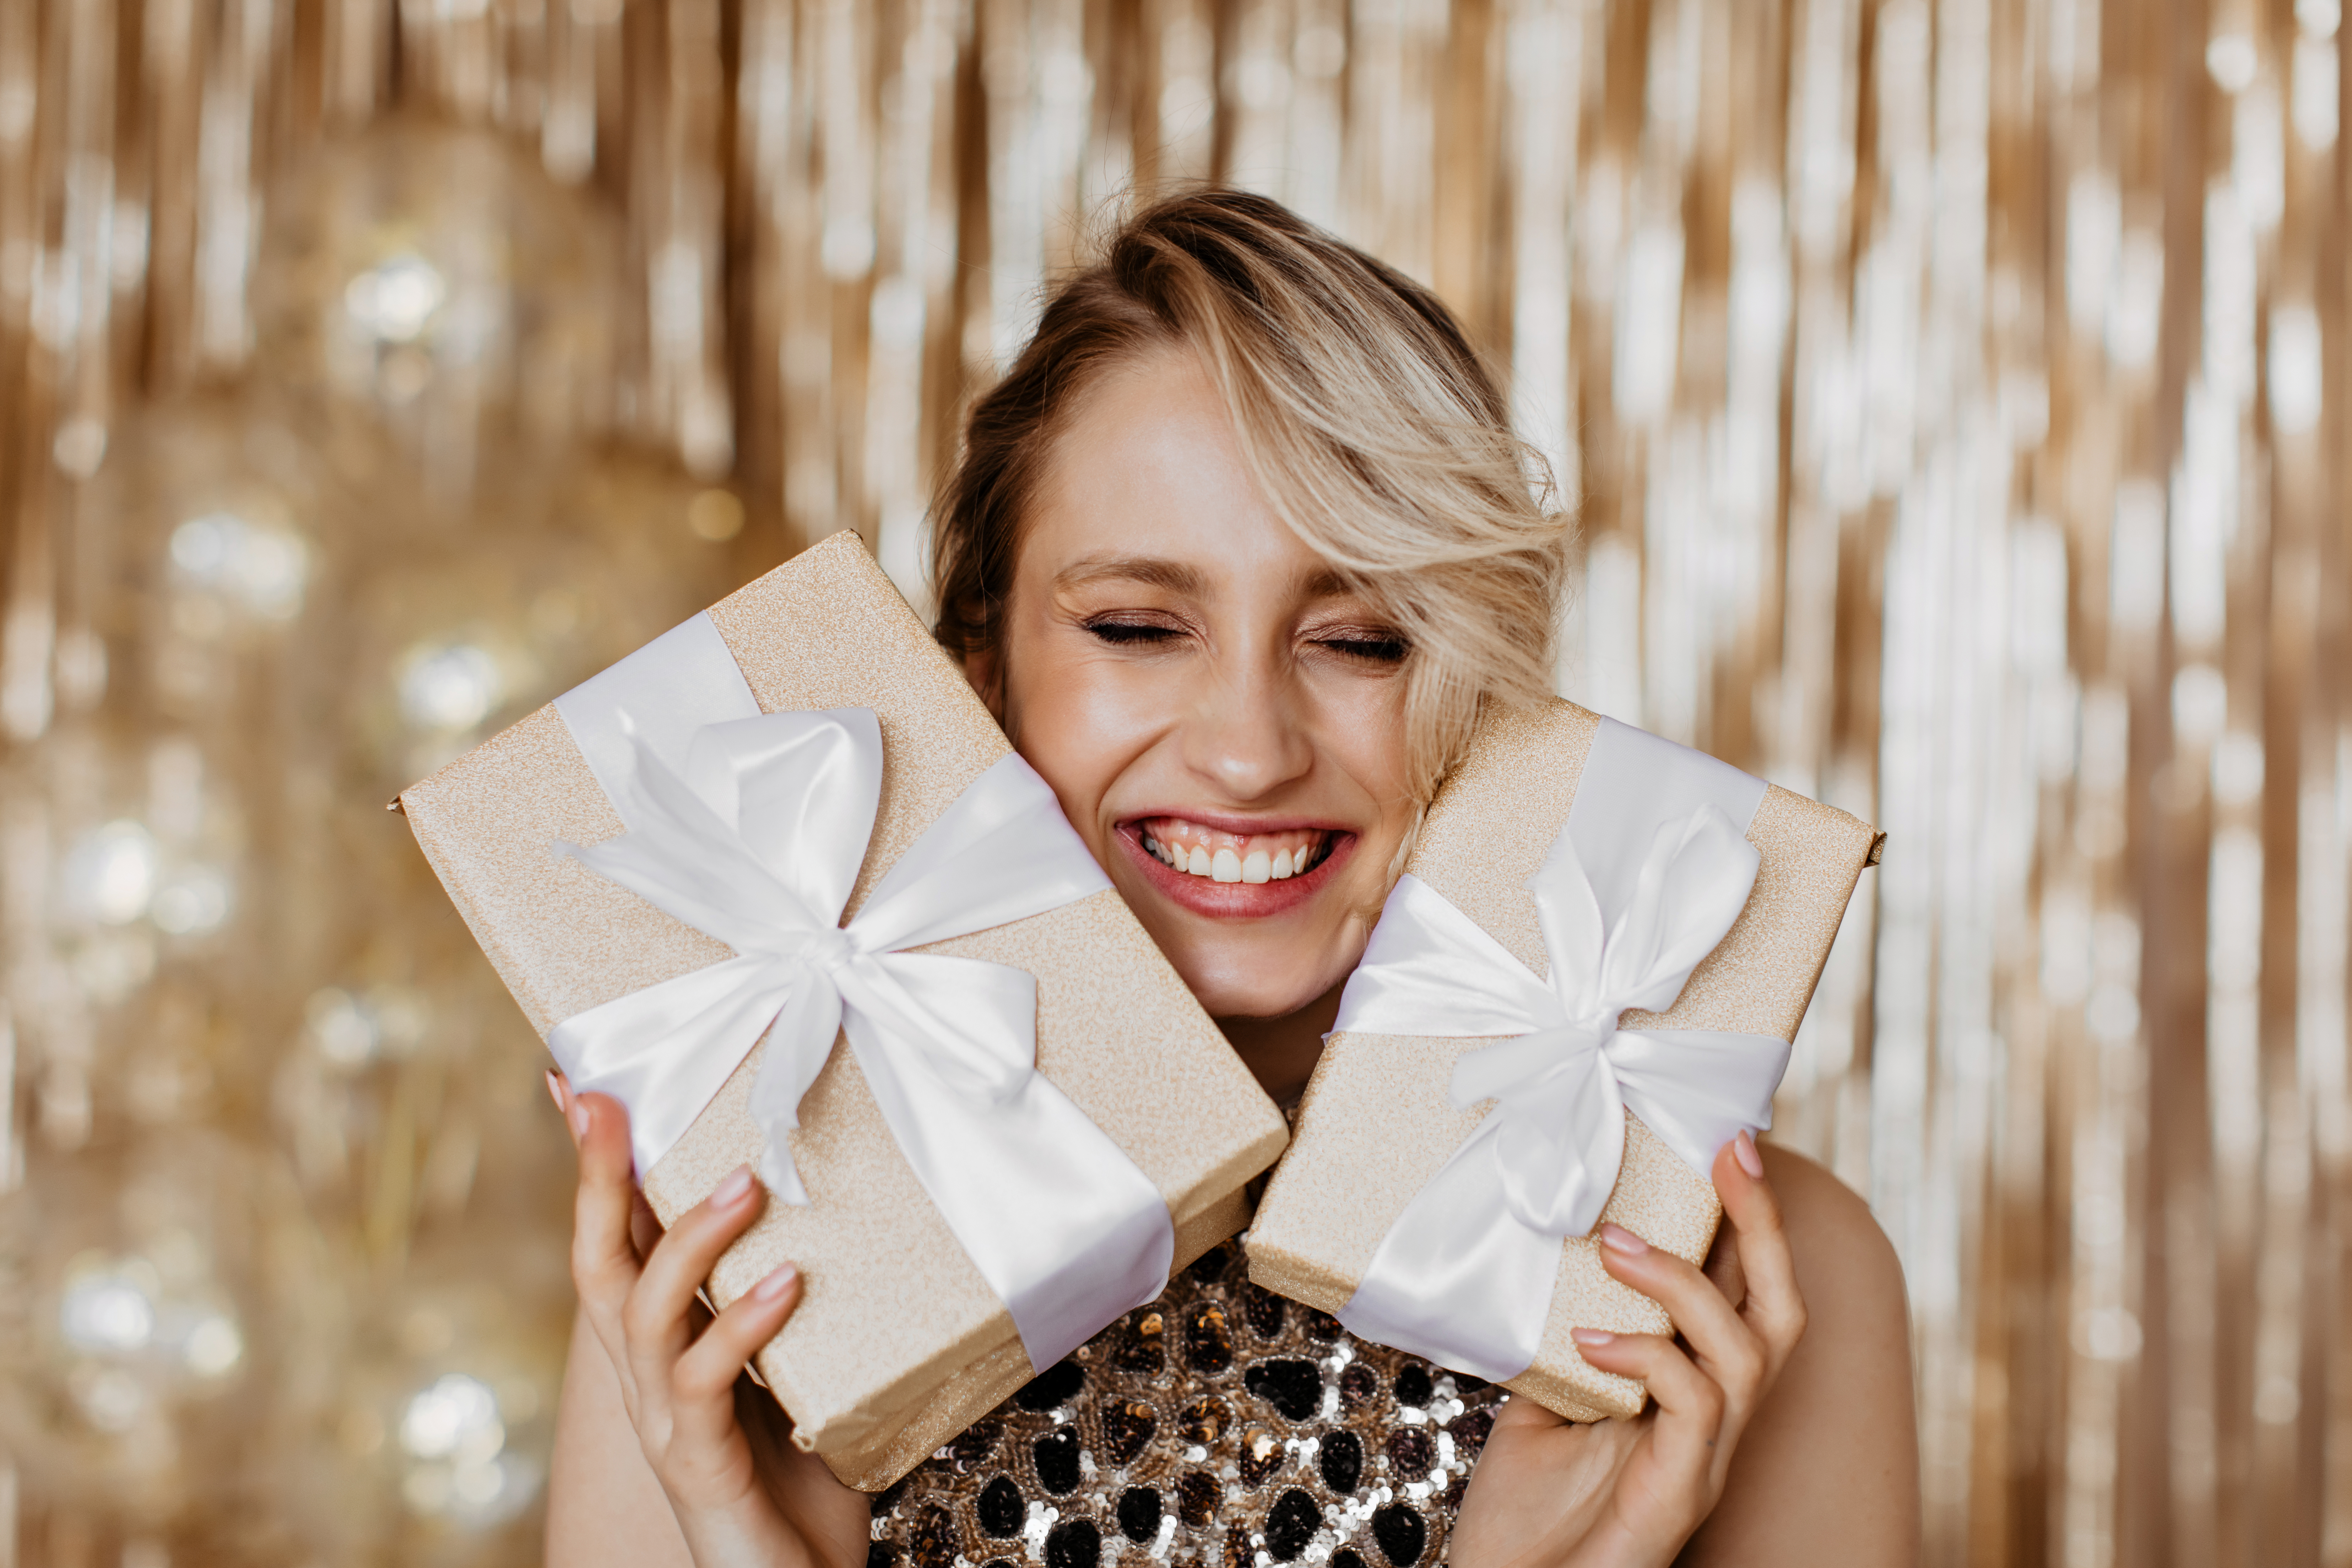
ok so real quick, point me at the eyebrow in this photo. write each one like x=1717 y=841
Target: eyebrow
x=1175 y=576
x=1152 y=570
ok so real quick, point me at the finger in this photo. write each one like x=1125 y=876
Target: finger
x=1725 y=1346
x=702 y=1385
x=1774 y=1305
x=1688 y=1433
x=603 y=1264
x=644 y=1226
x=659 y=1316
x=1722 y=1267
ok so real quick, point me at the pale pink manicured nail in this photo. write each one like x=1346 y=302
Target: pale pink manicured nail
x=1596 y=1338
x=555 y=1091
x=579 y=1120
x=1743 y=1149
x=734 y=1189
x=1617 y=1238
x=776 y=1284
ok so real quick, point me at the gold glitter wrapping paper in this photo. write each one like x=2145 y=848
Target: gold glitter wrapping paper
x=1375 y=1124
x=899 y=1343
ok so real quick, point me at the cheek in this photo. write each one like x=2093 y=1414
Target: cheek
x=1362 y=725
x=1078 y=722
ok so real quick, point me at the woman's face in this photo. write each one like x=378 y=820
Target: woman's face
x=1221 y=718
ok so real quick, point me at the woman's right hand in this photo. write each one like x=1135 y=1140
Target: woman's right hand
x=742 y=1497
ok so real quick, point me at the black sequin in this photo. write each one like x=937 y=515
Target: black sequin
x=1196 y=1498
x=1470 y=1429
x=998 y=1562
x=1293 y=1387
x=1207 y=1343
x=1341 y=1460
x=1127 y=1427
x=1357 y=1386
x=1143 y=1348
x=1320 y=1326
x=1138 y=1513
x=1262 y=1454
x=1203 y=1421
x=1465 y=1384
x=1000 y=1509
x=933 y=1543
x=1056 y=1385
x=975 y=1443
x=1056 y=1453
x=881 y=1554
x=1413 y=1387
x=1290 y=1524
x=1411 y=1453
x=1400 y=1534
x=1074 y=1543
x=1346 y=1557
x=1264 y=1310
x=886 y=1500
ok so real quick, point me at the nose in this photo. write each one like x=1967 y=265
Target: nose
x=1246 y=733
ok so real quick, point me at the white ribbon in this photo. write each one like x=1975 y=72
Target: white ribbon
x=751 y=827
x=1651 y=871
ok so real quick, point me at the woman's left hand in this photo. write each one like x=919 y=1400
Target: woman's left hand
x=1629 y=1494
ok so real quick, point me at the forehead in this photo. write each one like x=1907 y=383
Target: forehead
x=1147 y=481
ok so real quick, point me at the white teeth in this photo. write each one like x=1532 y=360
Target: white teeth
x=1226 y=863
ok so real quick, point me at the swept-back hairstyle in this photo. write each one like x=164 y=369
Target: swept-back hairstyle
x=1365 y=417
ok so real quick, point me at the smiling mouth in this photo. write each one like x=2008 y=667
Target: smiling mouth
x=1216 y=855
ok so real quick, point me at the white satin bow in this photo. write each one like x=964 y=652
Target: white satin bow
x=757 y=840
x=1465 y=1276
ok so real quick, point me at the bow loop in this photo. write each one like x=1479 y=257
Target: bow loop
x=1692 y=885
x=1512 y=1066
x=691 y=863
x=801 y=790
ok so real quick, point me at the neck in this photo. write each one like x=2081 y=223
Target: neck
x=1282 y=1052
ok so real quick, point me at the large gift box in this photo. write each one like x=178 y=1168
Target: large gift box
x=1584 y=985
x=790 y=819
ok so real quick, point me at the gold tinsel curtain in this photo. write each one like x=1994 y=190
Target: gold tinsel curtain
x=1954 y=392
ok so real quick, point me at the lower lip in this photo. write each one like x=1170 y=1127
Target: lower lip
x=1235 y=901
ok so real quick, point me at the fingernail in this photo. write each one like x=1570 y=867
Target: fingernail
x=1617 y=1238
x=579 y=1120
x=555 y=1091
x=1743 y=1149
x=1595 y=1338
x=734 y=1189
x=776 y=1284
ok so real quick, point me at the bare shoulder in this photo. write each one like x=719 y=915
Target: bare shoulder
x=1845 y=1265
x=1828 y=1469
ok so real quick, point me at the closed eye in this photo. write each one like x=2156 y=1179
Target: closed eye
x=1373 y=650
x=1126 y=634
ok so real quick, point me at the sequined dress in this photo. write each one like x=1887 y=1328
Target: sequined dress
x=1223 y=1427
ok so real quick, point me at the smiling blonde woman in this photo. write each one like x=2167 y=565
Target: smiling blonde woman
x=1235 y=552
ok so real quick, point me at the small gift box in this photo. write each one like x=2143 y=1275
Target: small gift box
x=1582 y=987
x=790 y=819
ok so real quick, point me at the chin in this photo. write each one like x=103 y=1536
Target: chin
x=1253 y=983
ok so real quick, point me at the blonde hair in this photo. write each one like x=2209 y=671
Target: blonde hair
x=1363 y=411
